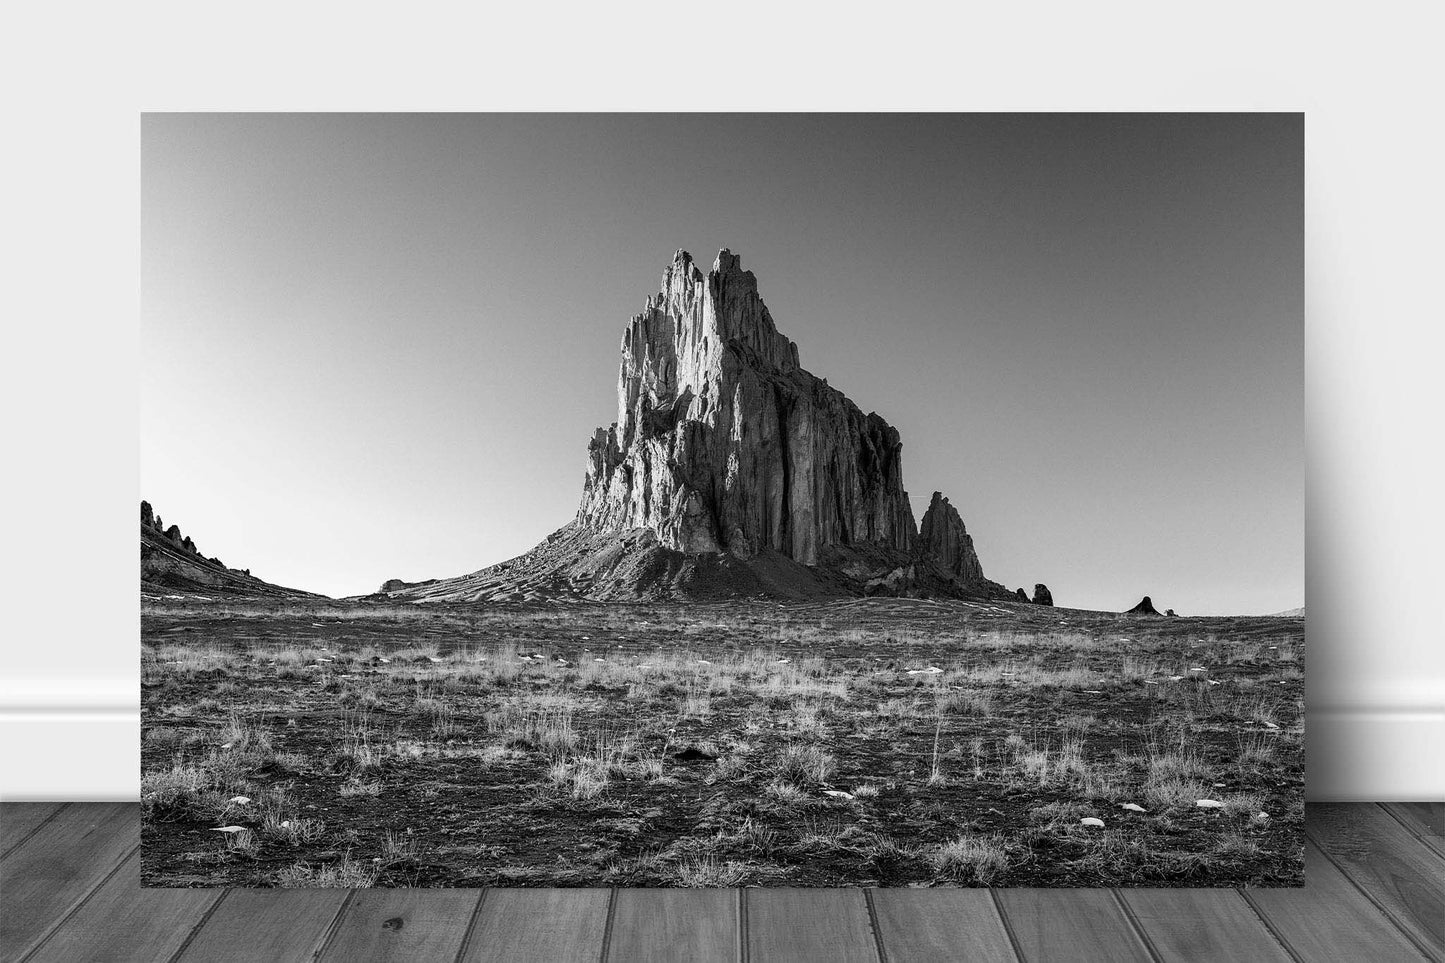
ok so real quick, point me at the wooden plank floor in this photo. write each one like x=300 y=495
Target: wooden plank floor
x=1375 y=890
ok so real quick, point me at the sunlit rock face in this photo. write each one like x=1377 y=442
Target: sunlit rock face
x=724 y=444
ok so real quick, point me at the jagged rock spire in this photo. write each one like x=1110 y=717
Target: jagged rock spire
x=724 y=443
x=944 y=536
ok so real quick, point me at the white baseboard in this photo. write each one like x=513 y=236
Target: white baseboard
x=69 y=740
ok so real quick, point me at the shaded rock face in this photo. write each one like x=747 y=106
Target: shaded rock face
x=1145 y=607
x=1042 y=595
x=1021 y=595
x=724 y=444
x=943 y=536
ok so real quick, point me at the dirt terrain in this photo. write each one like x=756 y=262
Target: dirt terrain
x=880 y=741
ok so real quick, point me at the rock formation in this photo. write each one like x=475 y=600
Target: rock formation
x=1042 y=595
x=1020 y=594
x=943 y=536
x=1145 y=607
x=732 y=471
x=170 y=562
x=724 y=444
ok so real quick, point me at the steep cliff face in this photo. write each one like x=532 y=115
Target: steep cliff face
x=943 y=536
x=723 y=443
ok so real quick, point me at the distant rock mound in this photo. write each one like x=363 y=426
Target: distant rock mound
x=1042 y=595
x=732 y=471
x=1145 y=607
x=170 y=563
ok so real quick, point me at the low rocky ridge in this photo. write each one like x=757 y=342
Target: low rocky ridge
x=732 y=471
x=171 y=563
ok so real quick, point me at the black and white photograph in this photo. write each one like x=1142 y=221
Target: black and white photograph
x=748 y=484
x=719 y=500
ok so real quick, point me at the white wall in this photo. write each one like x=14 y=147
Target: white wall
x=68 y=679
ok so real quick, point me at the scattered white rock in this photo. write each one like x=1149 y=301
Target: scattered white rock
x=1214 y=682
x=1209 y=804
x=1175 y=678
x=226 y=745
x=432 y=658
x=1219 y=785
x=1261 y=815
x=239 y=800
x=228 y=829
x=1150 y=682
x=1094 y=691
x=703 y=662
x=1133 y=807
x=931 y=670
x=1092 y=821
x=837 y=794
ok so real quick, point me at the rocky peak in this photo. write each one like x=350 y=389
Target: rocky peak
x=724 y=444
x=1042 y=595
x=944 y=536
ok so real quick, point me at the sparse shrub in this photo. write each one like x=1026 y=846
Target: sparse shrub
x=806 y=763
x=707 y=872
x=971 y=859
x=786 y=793
x=343 y=874
x=242 y=842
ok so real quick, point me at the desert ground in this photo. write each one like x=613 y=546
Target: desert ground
x=888 y=742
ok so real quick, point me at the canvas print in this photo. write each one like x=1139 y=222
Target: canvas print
x=936 y=521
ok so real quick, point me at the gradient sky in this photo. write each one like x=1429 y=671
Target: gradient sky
x=376 y=345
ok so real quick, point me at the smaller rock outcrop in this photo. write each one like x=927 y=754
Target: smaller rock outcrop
x=1020 y=594
x=1042 y=595
x=1145 y=607
x=944 y=536
x=1170 y=613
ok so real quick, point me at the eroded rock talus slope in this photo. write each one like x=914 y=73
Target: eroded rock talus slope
x=731 y=471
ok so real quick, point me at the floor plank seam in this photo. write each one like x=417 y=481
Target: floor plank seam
x=69 y=914
x=873 y=925
x=196 y=929
x=743 y=951
x=471 y=925
x=607 y=929
x=1008 y=927
x=33 y=830
x=1400 y=820
x=1265 y=922
x=334 y=927
x=1380 y=907
x=1136 y=926
x=1428 y=842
